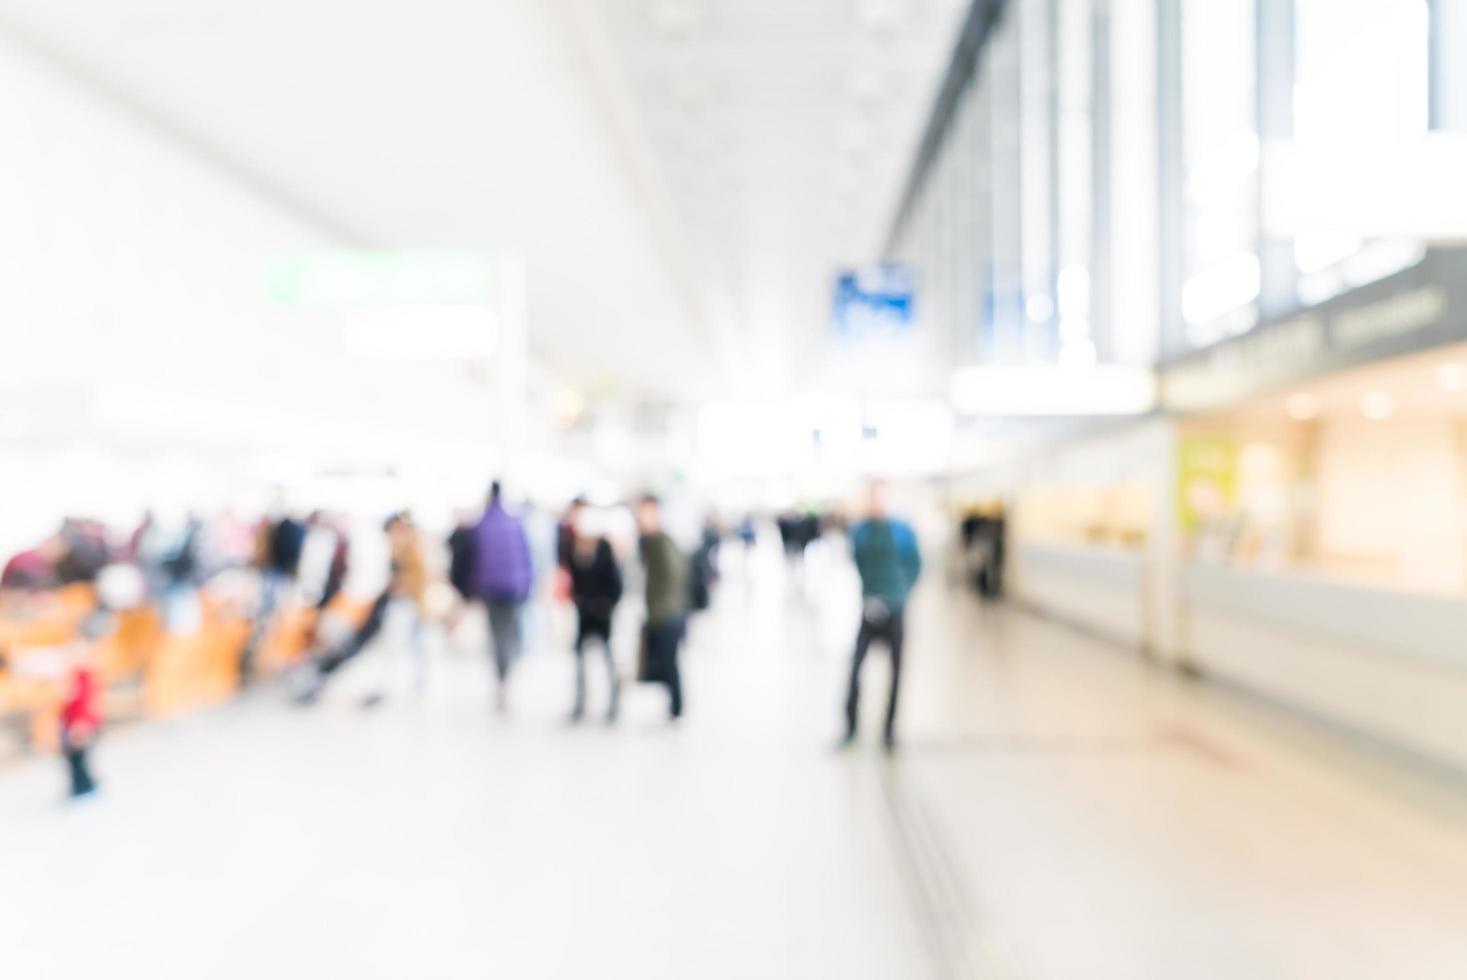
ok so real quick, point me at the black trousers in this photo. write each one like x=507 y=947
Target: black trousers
x=505 y=635
x=591 y=626
x=76 y=765
x=889 y=630
x=370 y=627
x=330 y=591
x=662 y=649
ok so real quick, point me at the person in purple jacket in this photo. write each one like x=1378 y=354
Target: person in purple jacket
x=502 y=578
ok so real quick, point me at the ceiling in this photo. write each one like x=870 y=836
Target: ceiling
x=683 y=175
x=783 y=130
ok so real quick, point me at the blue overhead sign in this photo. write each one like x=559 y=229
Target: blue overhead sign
x=873 y=302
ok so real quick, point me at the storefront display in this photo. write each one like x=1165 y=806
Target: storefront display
x=1360 y=476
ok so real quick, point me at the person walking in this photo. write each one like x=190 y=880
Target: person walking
x=667 y=597
x=461 y=566
x=889 y=563
x=566 y=531
x=181 y=572
x=407 y=588
x=278 y=542
x=325 y=564
x=596 y=588
x=565 y=550
x=81 y=711
x=503 y=575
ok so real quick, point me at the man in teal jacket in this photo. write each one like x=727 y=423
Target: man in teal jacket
x=889 y=562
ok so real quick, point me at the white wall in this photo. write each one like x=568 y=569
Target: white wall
x=142 y=358
x=1395 y=492
x=1389 y=664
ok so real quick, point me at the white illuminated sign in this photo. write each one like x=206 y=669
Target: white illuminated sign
x=1054 y=391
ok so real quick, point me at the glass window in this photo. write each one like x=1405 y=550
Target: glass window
x=979 y=141
x=965 y=217
x=1036 y=184
x=1362 y=86
x=1004 y=108
x=1076 y=121
x=1221 y=277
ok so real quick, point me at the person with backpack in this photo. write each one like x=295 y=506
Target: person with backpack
x=889 y=563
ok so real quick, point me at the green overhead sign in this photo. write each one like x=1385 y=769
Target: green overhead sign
x=353 y=279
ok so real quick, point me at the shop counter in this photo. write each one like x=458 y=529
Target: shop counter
x=1390 y=664
x=1099 y=588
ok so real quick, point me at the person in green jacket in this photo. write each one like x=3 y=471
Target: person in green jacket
x=889 y=562
x=667 y=598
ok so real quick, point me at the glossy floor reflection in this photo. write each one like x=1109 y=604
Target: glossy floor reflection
x=1056 y=810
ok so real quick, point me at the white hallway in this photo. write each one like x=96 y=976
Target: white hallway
x=1056 y=810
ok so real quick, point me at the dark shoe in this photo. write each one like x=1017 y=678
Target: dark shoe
x=888 y=743
x=576 y=716
x=846 y=741
x=372 y=700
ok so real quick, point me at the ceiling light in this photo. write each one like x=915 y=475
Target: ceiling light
x=1378 y=406
x=1451 y=377
x=1303 y=407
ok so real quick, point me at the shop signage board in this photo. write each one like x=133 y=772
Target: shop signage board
x=1423 y=307
x=1207 y=478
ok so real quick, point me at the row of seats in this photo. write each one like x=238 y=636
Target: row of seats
x=148 y=672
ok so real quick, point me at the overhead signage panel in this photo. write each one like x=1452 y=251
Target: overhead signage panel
x=873 y=303
x=1414 y=310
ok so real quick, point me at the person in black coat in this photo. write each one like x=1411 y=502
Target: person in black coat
x=461 y=558
x=596 y=588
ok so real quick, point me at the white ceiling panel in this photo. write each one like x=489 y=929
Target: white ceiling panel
x=683 y=175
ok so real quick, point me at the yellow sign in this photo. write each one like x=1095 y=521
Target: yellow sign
x=1207 y=479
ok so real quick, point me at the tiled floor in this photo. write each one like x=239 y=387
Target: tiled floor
x=1056 y=810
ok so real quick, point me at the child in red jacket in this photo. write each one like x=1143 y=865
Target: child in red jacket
x=81 y=712
x=81 y=717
